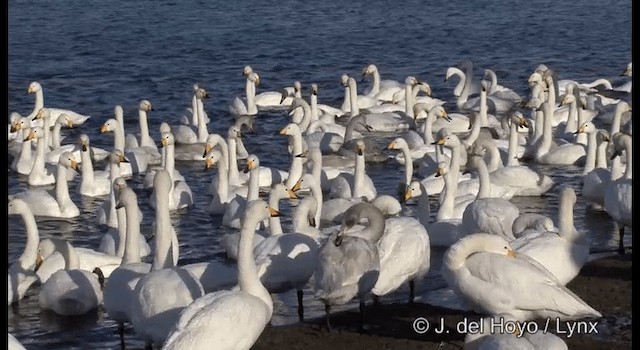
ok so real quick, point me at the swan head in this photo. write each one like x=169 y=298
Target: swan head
x=451 y=71
x=620 y=141
x=259 y=210
x=234 y=132
x=280 y=191
x=145 y=106
x=352 y=217
x=117 y=157
x=297 y=103
x=212 y=141
x=35 y=133
x=64 y=119
x=534 y=78
x=411 y=80
x=245 y=120
x=109 y=125
x=360 y=147
x=254 y=77
x=211 y=158
x=370 y=69
x=398 y=143
x=20 y=123
x=202 y=94
x=603 y=136
x=290 y=129
x=14 y=117
x=586 y=127
x=253 y=162
x=42 y=113
x=68 y=160
x=519 y=120
x=118 y=112
x=344 y=79
x=424 y=87
x=442 y=169
x=568 y=98
x=351 y=83
x=627 y=71
x=247 y=70
x=490 y=73
x=119 y=183
x=46 y=247
x=314 y=89
x=84 y=142
x=34 y=87
x=297 y=86
x=167 y=139
x=623 y=107
x=485 y=85
x=448 y=140
x=568 y=194
x=412 y=191
x=307 y=181
x=483 y=242
x=17 y=206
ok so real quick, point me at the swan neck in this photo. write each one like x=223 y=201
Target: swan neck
x=145 y=140
x=376 y=82
x=424 y=208
x=353 y=98
x=46 y=127
x=628 y=172
x=375 y=229
x=408 y=165
x=132 y=234
x=33 y=239
x=233 y=160
x=408 y=100
x=55 y=136
x=275 y=227
x=446 y=208
x=314 y=107
x=163 y=258
x=306 y=116
x=358 y=176
x=121 y=215
x=484 y=190
x=68 y=252
x=250 y=90
x=545 y=145
x=247 y=272
x=223 y=180
x=616 y=122
x=203 y=133
x=601 y=157
x=62 y=188
x=475 y=130
x=38 y=163
x=118 y=137
x=565 y=218
x=590 y=161
x=254 y=188
x=194 y=108
x=427 y=135
x=87 y=166
x=538 y=125
x=170 y=160
x=513 y=145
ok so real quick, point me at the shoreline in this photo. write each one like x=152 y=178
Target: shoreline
x=605 y=284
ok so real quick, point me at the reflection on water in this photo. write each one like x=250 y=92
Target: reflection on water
x=90 y=61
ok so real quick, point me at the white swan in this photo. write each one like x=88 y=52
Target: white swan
x=566 y=154
x=618 y=193
x=362 y=101
x=381 y=89
x=138 y=158
x=40 y=175
x=107 y=210
x=224 y=193
x=491 y=336
x=349 y=263
x=498 y=90
x=118 y=291
x=563 y=253
x=237 y=205
x=287 y=261
x=114 y=240
x=70 y=291
x=322 y=112
x=237 y=106
x=153 y=310
x=36 y=88
x=92 y=183
x=594 y=181
x=180 y=194
x=23 y=162
x=197 y=131
x=465 y=86
x=487 y=274
x=356 y=185
x=21 y=275
x=58 y=204
x=229 y=319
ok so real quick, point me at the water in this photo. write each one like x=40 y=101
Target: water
x=91 y=55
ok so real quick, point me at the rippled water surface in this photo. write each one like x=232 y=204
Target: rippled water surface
x=91 y=55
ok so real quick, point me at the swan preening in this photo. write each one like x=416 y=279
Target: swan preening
x=468 y=159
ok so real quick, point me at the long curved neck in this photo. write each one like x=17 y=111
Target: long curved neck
x=538 y=130
x=223 y=180
x=427 y=135
x=459 y=89
x=38 y=162
x=163 y=258
x=118 y=137
x=628 y=172
x=55 y=136
x=346 y=102
x=513 y=145
x=545 y=145
x=446 y=208
x=300 y=222
x=374 y=230
x=615 y=122
x=376 y=83
x=170 y=161
x=295 y=140
x=119 y=117
x=33 y=238
x=601 y=155
x=483 y=108
x=46 y=127
x=408 y=165
x=495 y=160
x=348 y=131
x=353 y=98
x=306 y=117
x=475 y=130
x=582 y=138
x=71 y=259
x=62 y=187
x=253 y=190
x=87 y=166
x=590 y=161
x=247 y=272
x=121 y=215
x=616 y=168
x=314 y=107
x=551 y=98
x=316 y=169
x=145 y=139
x=409 y=100
x=424 y=208
x=484 y=191
x=565 y=219
x=358 y=176
x=295 y=169
x=203 y=133
x=250 y=90
x=494 y=82
x=194 y=108
x=454 y=259
x=572 y=119
x=316 y=192
x=454 y=166
x=275 y=227
x=132 y=236
x=25 y=151
x=38 y=105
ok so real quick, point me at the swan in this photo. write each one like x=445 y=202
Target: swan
x=577 y=116
x=295 y=147
x=410 y=84
x=324 y=174
x=59 y=204
x=180 y=194
x=92 y=184
x=488 y=214
x=36 y=88
x=287 y=261
x=56 y=147
x=318 y=135
x=196 y=132
x=107 y=210
x=356 y=185
x=563 y=252
x=380 y=122
x=153 y=310
x=237 y=205
x=491 y=337
x=14 y=132
x=405 y=254
x=229 y=319
x=329 y=113
x=399 y=102
x=618 y=193
x=349 y=263
x=224 y=193
x=191 y=115
x=268 y=99
x=138 y=158
x=465 y=86
x=362 y=101
x=485 y=272
x=40 y=175
x=566 y=154
x=531 y=222
x=594 y=181
x=484 y=101
x=229 y=242
x=110 y=241
x=382 y=90
x=21 y=275
x=70 y=291
x=118 y=291
x=498 y=90
x=23 y=163
x=145 y=142
x=237 y=106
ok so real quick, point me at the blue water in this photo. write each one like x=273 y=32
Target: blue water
x=91 y=55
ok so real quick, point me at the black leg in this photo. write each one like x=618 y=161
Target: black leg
x=327 y=311
x=621 y=241
x=300 y=307
x=121 y=333
x=361 y=325
x=411 y=291
x=376 y=299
